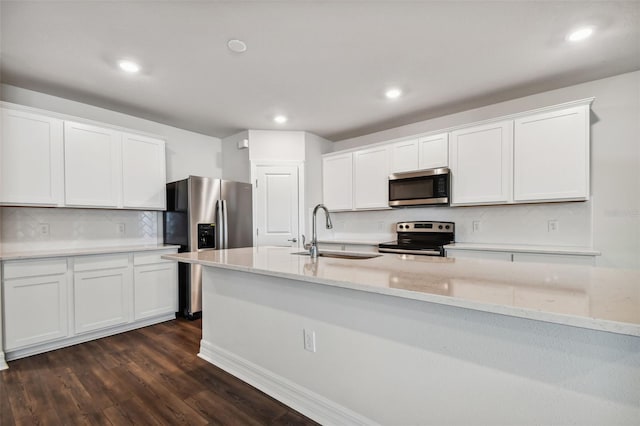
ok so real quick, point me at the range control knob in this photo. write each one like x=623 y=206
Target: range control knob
x=447 y=227
x=439 y=226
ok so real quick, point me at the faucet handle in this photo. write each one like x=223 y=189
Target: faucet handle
x=305 y=245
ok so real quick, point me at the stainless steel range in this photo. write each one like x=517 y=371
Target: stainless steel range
x=425 y=238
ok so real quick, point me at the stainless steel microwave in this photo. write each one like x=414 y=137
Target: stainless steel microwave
x=422 y=187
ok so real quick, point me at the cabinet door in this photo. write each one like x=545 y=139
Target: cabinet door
x=371 y=178
x=35 y=310
x=551 y=156
x=155 y=290
x=91 y=165
x=31 y=159
x=481 y=164
x=143 y=172
x=404 y=156
x=337 y=181
x=434 y=151
x=102 y=296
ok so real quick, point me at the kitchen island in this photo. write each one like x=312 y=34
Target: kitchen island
x=402 y=339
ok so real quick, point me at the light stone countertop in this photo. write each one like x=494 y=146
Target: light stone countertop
x=39 y=254
x=575 y=295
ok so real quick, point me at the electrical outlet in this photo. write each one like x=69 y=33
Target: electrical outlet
x=43 y=229
x=120 y=228
x=309 y=340
x=475 y=226
x=553 y=226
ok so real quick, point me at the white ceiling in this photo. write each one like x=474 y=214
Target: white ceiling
x=324 y=64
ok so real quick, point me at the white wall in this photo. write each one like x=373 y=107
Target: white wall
x=611 y=219
x=314 y=147
x=235 y=162
x=276 y=145
x=188 y=153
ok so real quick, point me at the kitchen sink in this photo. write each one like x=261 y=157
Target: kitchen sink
x=341 y=254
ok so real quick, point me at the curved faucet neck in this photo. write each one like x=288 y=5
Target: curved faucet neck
x=329 y=225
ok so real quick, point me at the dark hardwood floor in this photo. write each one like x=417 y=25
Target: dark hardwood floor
x=146 y=376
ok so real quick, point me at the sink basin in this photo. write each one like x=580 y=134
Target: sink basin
x=341 y=254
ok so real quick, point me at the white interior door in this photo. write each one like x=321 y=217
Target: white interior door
x=277 y=205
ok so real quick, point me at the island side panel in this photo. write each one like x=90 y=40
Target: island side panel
x=399 y=361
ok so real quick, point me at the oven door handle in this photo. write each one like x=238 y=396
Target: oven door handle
x=405 y=251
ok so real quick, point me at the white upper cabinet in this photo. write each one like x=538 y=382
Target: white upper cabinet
x=143 y=172
x=91 y=165
x=31 y=159
x=371 y=178
x=427 y=152
x=404 y=156
x=481 y=164
x=433 y=151
x=47 y=160
x=337 y=181
x=551 y=156
x=528 y=157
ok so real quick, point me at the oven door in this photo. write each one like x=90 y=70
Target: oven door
x=425 y=187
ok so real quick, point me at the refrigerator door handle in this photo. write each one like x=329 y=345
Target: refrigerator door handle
x=223 y=230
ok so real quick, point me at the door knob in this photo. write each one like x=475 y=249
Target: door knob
x=293 y=240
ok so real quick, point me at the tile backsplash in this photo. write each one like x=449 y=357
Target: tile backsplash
x=27 y=228
x=510 y=224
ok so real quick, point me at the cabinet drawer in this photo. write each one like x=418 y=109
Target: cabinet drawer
x=34 y=268
x=480 y=254
x=90 y=263
x=554 y=258
x=149 y=258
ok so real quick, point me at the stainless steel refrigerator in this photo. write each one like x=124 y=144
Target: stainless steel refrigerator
x=205 y=214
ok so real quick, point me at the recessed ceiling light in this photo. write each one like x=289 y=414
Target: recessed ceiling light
x=237 y=46
x=129 y=66
x=393 y=93
x=280 y=119
x=580 y=34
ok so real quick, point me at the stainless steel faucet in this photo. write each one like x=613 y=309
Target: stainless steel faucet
x=313 y=245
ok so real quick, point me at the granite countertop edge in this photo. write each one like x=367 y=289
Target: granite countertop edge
x=40 y=254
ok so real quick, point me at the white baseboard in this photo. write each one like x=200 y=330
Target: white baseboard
x=3 y=363
x=74 y=340
x=303 y=400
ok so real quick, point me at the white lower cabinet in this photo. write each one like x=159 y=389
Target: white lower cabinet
x=572 y=259
x=35 y=302
x=101 y=291
x=155 y=286
x=56 y=302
